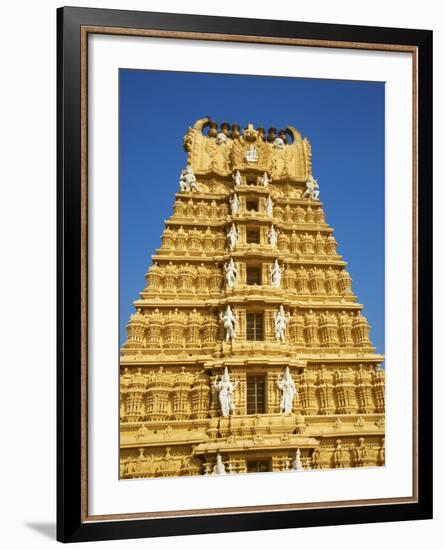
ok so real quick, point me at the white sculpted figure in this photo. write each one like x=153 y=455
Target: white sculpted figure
x=234 y=204
x=221 y=138
x=280 y=323
x=230 y=273
x=225 y=388
x=232 y=237
x=251 y=154
x=276 y=274
x=219 y=468
x=188 y=180
x=230 y=323
x=297 y=462
x=278 y=143
x=237 y=178
x=288 y=389
x=264 y=180
x=312 y=188
x=272 y=235
x=269 y=206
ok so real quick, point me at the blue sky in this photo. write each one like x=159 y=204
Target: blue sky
x=344 y=121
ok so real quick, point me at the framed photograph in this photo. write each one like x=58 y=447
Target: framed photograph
x=244 y=274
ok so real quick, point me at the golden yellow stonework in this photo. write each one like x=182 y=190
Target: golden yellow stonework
x=171 y=421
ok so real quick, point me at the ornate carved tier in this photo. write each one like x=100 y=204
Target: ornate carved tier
x=283 y=159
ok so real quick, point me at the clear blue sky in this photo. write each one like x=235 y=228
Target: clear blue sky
x=343 y=120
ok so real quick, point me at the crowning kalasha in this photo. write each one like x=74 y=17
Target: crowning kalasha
x=248 y=351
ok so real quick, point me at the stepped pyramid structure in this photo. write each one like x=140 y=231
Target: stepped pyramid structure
x=248 y=351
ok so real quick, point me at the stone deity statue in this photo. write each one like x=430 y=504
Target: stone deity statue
x=219 y=468
x=280 y=323
x=229 y=322
x=225 y=388
x=264 y=180
x=142 y=432
x=221 y=138
x=288 y=389
x=234 y=204
x=188 y=180
x=312 y=188
x=339 y=455
x=272 y=235
x=278 y=143
x=251 y=154
x=232 y=237
x=297 y=462
x=230 y=273
x=276 y=274
x=237 y=178
x=269 y=206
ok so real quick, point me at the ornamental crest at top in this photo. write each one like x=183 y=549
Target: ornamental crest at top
x=224 y=149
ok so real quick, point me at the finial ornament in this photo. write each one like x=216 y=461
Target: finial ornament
x=225 y=388
x=312 y=189
x=187 y=181
x=230 y=323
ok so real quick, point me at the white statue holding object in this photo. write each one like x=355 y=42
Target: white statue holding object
x=272 y=235
x=234 y=204
x=219 y=468
x=232 y=237
x=312 y=189
x=288 y=389
x=237 y=178
x=225 y=388
x=187 y=181
x=280 y=323
x=297 y=462
x=230 y=273
x=276 y=274
x=230 y=323
x=264 y=180
x=269 y=206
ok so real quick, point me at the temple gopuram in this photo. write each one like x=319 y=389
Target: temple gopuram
x=248 y=350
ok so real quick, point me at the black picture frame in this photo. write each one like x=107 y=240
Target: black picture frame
x=73 y=523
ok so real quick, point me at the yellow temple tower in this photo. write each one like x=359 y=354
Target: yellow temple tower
x=248 y=351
